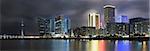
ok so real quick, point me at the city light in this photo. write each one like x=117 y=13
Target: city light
x=74 y=25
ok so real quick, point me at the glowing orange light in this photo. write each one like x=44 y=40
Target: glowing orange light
x=102 y=46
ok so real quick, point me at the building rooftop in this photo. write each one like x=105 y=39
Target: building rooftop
x=138 y=19
x=109 y=6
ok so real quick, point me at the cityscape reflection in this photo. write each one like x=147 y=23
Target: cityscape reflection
x=102 y=46
x=123 y=45
x=94 y=45
x=75 y=45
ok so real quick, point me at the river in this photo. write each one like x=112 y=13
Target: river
x=74 y=45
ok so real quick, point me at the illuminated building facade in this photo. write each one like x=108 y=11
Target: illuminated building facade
x=94 y=20
x=62 y=25
x=109 y=18
x=66 y=24
x=122 y=19
x=139 y=25
x=51 y=25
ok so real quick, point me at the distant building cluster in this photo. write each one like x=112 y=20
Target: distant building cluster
x=54 y=25
x=84 y=31
x=113 y=24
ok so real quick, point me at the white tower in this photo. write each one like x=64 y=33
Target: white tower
x=94 y=20
x=22 y=27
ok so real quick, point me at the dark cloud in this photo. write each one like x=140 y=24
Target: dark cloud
x=13 y=10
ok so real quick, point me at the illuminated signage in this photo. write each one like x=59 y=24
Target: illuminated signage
x=122 y=19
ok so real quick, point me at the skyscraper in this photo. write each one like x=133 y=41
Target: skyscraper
x=51 y=25
x=109 y=18
x=62 y=25
x=94 y=20
x=109 y=13
x=46 y=25
x=66 y=24
x=43 y=25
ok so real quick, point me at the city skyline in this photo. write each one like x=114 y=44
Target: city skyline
x=78 y=13
x=74 y=25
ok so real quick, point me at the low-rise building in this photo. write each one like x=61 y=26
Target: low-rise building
x=85 y=31
x=139 y=25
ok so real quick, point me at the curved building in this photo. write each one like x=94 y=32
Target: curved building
x=109 y=18
x=109 y=13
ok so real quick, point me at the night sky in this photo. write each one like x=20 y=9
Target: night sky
x=13 y=10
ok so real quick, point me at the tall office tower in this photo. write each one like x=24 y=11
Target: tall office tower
x=62 y=25
x=51 y=25
x=109 y=18
x=66 y=24
x=94 y=20
x=109 y=13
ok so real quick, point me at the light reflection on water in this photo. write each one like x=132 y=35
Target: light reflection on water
x=75 y=45
x=123 y=45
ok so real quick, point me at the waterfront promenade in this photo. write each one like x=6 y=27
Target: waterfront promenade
x=8 y=37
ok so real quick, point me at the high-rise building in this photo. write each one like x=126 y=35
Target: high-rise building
x=109 y=13
x=58 y=25
x=62 y=25
x=94 y=20
x=51 y=21
x=46 y=25
x=139 y=25
x=42 y=24
x=53 y=25
x=109 y=18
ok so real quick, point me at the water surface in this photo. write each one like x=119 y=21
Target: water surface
x=74 y=45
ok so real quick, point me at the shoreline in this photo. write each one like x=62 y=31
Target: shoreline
x=106 y=38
